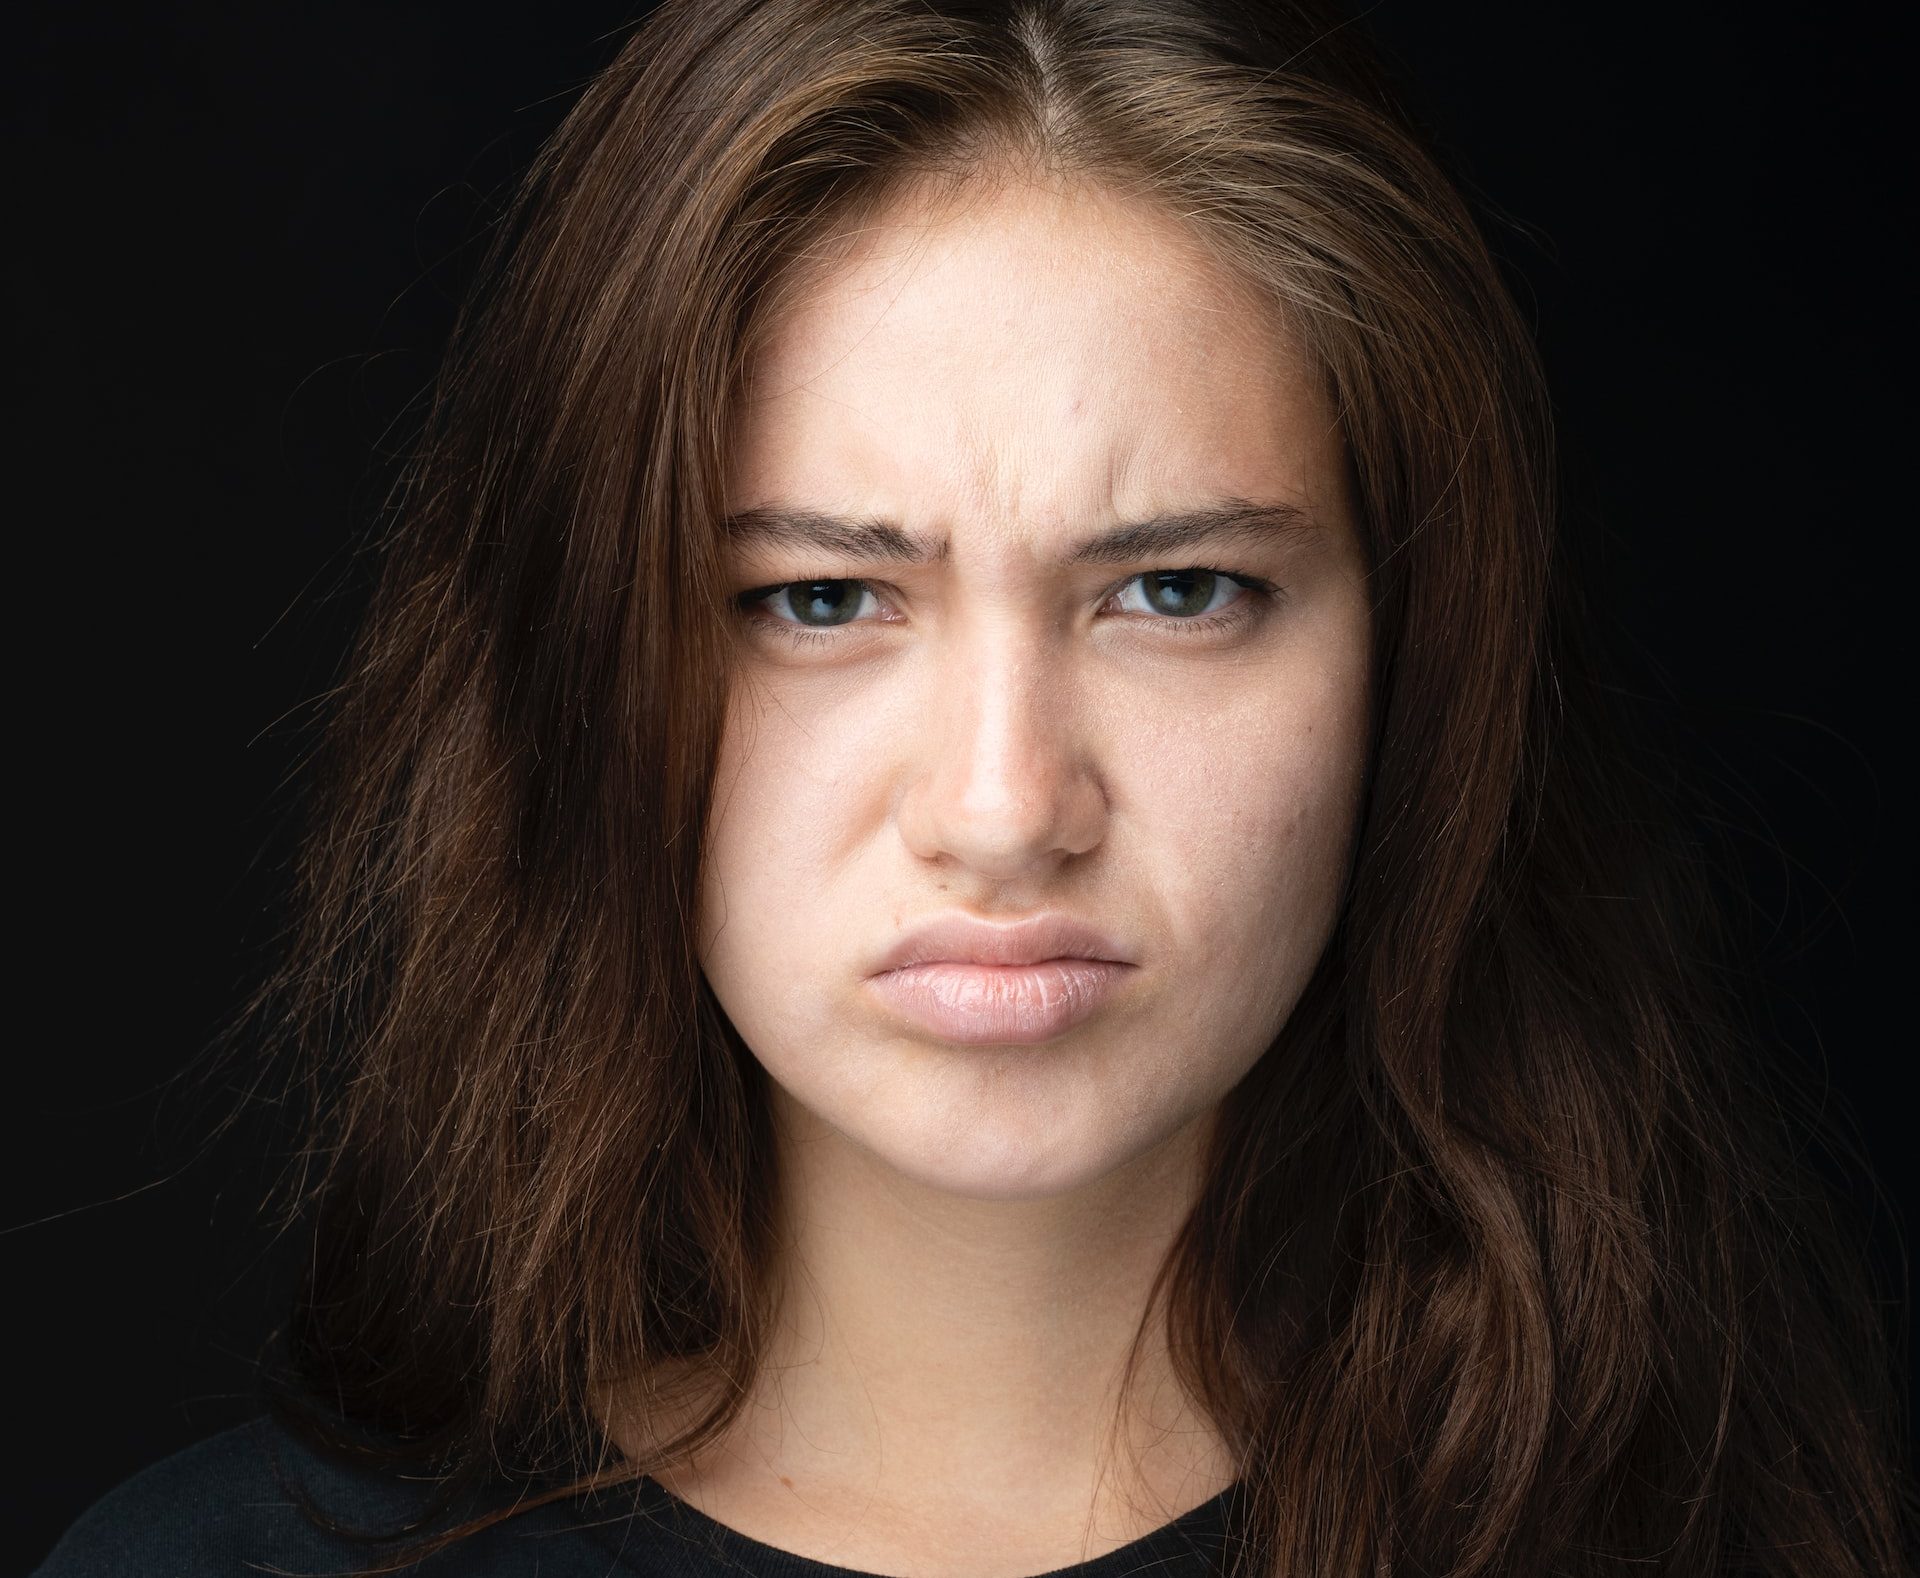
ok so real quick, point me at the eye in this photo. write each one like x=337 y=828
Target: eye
x=1190 y=601
x=815 y=604
x=811 y=613
x=1187 y=594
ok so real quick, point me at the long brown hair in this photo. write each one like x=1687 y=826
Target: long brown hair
x=1507 y=1259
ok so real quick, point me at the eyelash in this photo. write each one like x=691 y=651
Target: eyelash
x=1240 y=610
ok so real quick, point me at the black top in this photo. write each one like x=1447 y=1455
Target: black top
x=227 y=1507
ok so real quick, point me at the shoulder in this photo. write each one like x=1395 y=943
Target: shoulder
x=239 y=1502
x=183 y=1514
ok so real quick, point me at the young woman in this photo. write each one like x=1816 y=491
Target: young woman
x=972 y=916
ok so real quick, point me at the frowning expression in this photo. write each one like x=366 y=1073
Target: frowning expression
x=1050 y=607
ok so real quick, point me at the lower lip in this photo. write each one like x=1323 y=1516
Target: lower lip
x=999 y=1003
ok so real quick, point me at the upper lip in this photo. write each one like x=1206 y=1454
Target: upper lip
x=961 y=939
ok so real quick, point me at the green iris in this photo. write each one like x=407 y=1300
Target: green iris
x=1182 y=593
x=824 y=602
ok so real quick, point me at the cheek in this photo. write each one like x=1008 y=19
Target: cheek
x=777 y=863
x=1250 y=812
x=766 y=787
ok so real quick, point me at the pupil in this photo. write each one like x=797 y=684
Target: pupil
x=1180 y=592
x=824 y=602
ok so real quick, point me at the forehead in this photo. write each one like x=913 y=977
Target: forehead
x=1025 y=356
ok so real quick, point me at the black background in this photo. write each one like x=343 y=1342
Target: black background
x=241 y=232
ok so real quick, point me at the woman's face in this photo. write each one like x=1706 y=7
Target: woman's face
x=971 y=698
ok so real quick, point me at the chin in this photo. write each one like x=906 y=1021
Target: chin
x=1007 y=1145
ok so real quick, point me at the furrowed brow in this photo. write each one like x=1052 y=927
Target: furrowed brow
x=1231 y=519
x=1174 y=533
x=857 y=539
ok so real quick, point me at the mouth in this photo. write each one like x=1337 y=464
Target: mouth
x=974 y=1003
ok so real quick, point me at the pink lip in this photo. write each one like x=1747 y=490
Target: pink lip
x=1006 y=1003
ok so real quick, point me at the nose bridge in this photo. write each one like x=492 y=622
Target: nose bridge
x=1002 y=780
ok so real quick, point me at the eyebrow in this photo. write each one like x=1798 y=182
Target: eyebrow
x=872 y=538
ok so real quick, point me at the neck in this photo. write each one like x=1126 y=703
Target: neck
x=941 y=1357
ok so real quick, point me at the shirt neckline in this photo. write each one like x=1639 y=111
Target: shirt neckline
x=1201 y=1530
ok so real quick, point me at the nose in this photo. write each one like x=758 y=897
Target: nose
x=1004 y=782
